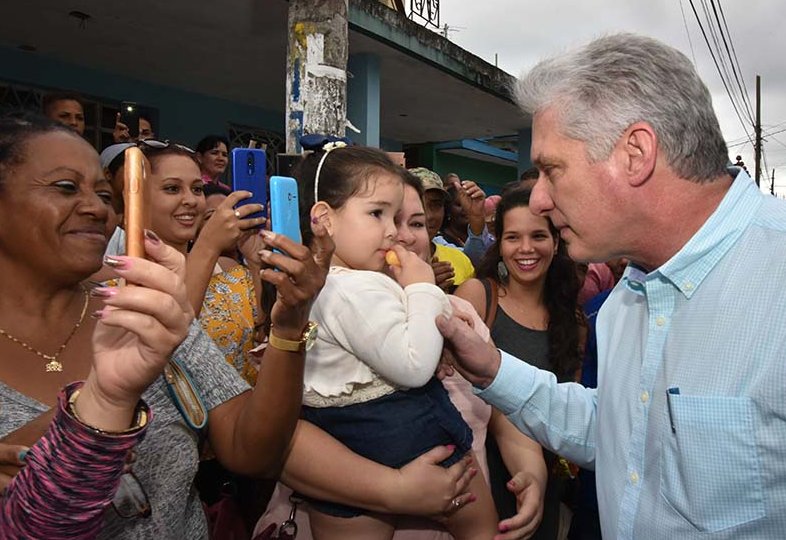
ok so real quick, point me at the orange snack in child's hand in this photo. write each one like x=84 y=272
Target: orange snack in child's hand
x=392 y=259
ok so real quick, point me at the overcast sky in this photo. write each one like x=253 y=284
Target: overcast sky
x=521 y=32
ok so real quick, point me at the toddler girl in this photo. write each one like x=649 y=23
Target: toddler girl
x=369 y=379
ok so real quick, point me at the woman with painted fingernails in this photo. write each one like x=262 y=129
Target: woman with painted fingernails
x=56 y=329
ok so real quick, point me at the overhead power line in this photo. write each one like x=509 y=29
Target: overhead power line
x=736 y=60
x=745 y=140
x=690 y=42
x=720 y=71
x=726 y=75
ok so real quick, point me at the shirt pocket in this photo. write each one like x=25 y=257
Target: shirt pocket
x=710 y=471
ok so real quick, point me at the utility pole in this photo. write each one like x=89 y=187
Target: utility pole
x=757 y=129
x=316 y=70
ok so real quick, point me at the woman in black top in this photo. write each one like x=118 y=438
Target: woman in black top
x=527 y=294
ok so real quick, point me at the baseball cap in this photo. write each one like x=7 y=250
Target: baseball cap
x=112 y=152
x=430 y=179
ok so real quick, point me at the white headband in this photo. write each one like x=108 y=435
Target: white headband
x=327 y=148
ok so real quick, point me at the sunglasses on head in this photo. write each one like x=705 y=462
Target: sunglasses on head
x=152 y=144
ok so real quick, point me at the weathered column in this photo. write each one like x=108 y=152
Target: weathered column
x=316 y=69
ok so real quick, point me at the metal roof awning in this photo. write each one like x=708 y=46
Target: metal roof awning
x=479 y=150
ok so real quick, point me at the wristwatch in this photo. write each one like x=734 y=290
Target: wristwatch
x=305 y=343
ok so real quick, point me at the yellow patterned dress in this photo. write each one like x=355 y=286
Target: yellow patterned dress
x=228 y=314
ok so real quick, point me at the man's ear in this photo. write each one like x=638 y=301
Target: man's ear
x=638 y=151
x=322 y=212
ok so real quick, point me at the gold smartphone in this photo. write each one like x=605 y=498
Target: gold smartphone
x=135 y=200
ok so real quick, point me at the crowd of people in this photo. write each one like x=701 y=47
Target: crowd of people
x=429 y=362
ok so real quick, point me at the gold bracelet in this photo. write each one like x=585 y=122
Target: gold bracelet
x=140 y=417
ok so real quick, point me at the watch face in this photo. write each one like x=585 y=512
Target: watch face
x=310 y=336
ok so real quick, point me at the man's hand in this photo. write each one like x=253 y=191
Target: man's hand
x=478 y=361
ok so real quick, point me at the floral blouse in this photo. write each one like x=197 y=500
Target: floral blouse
x=228 y=314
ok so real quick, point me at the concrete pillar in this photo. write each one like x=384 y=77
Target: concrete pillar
x=525 y=141
x=316 y=69
x=363 y=99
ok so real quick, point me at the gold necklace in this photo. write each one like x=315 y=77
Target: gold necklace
x=52 y=362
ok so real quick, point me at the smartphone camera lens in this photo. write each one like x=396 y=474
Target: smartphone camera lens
x=250 y=164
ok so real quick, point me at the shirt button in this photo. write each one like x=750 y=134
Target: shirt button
x=688 y=286
x=634 y=478
x=660 y=321
x=645 y=397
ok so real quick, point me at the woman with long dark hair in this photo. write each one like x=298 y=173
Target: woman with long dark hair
x=527 y=294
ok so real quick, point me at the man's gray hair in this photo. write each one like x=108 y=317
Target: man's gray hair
x=601 y=89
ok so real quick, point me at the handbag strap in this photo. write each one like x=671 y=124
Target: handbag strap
x=492 y=301
x=185 y=395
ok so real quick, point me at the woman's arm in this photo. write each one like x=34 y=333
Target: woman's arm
x=523 y=457
x=251 y=432
x=70 y=459
x=319 y=466
x=473 y=292
x=71 y=475
x=220 y=232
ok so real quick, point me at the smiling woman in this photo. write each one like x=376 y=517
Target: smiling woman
x=177 y=204
x=61 y=198
x=535 y=315
x=224 y=294
x=54 y=205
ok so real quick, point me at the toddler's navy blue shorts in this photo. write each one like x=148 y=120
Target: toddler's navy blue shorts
x=393 y=430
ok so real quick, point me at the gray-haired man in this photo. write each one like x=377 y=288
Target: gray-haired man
x=687 y=429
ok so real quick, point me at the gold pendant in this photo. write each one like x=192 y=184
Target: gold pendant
x=54 y=365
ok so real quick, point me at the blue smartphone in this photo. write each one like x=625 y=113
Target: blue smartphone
x=284 y=207
x=249 y=173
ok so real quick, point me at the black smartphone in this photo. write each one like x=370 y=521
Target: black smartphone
x=129 y=115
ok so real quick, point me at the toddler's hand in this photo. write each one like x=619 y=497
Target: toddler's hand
x=411 y=268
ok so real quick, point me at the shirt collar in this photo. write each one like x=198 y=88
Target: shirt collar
x=690 y=265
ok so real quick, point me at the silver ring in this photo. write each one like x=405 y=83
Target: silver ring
x=237 y=214
x=456 y=503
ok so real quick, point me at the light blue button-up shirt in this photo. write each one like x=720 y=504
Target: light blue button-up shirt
x=708 y=328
